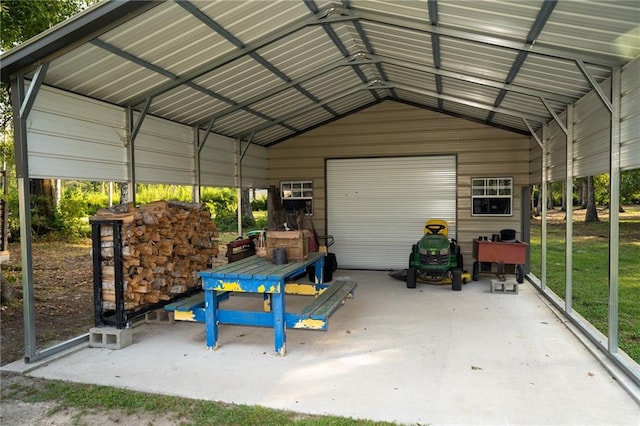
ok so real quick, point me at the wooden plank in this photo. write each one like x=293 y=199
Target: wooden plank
x=256 y=267
x=330 y=299
x=186 y=304
x=192 y=302
x=231 y=267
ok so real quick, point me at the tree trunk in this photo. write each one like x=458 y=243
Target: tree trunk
x=124 y=193
x=276 y=214
x=247 y=211
x=8 y=296
x=535 y=201
x=592 y=213
x=583 y=192
x=43 y=204
x=563 y=204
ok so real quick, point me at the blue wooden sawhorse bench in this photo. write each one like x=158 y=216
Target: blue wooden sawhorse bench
x=256 y=275
x=314 y=316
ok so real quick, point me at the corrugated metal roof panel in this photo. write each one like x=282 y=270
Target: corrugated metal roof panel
x=475 y=58
x=331 y=83
x=283 y=103
x=309 y=119
x=399 y=43
x=170 y=38
x=529 y=104
x=234 y=124
x=414 y=9
x=349 y=37
x=102 y=75
x=64 y=71
x=250 y=21
x=403 y=75
x=606 y=28
x=186 y=105
x=511 y=122
x=239 y=80
x=302 y=52
x=266 y=136
x=418 y=99
x=558 y=76
x=474 y=92
x=356 y=100
x=507 y=19
x=465 y=110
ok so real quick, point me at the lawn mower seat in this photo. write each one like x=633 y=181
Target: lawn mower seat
x=436 y=227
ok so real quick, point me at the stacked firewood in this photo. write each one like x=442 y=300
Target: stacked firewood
x=164 y=246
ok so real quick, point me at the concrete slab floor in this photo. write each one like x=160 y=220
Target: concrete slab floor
x=428 y=355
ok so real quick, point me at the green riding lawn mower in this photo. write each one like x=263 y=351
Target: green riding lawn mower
x=436 y=258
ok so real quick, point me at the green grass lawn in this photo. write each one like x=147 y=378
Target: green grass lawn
x=591 y=268
x=94 y=399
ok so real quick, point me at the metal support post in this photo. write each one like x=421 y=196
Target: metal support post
x=22 y=104
x=568 y=196
x=614 y=208
x=543 y=200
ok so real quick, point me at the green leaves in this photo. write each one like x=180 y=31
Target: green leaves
x=22 y=20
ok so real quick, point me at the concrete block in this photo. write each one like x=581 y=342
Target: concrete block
x=159 y=316
x=110 y=337
x=507 y=286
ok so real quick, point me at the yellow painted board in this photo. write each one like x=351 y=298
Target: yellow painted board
x=305 y=289
x=184 y=316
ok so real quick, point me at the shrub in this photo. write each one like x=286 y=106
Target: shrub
x=259 y=203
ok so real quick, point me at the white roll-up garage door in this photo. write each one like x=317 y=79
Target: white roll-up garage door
x=377 y=207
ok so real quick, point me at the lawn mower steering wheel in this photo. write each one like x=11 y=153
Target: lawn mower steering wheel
x=435 y=228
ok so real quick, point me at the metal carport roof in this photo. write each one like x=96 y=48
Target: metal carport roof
x=266 y=71
x=270 y=70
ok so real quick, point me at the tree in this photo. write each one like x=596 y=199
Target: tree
x=591 y=213
x=630 y=187
x=582 y=191
x=247 y=210
x=22 y=20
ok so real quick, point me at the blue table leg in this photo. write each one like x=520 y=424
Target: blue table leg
x=279 y=326
x=211 y=318
x=319 y=266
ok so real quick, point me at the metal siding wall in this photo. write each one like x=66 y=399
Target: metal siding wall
x=556 y=152
x=592 y=130
x=378 y=206
x=630 y=116
x=592 y=133
x=218 y=161
x=393 y=129
x=73 y=137
x=535 y=161
x=164 y=152
x=254 y=167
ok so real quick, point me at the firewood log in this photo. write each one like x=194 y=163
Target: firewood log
x=164 y=246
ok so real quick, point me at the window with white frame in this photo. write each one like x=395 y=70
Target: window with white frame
x=297 y=195
x=491 y=196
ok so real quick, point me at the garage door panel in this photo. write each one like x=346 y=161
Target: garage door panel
x=377 y=207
